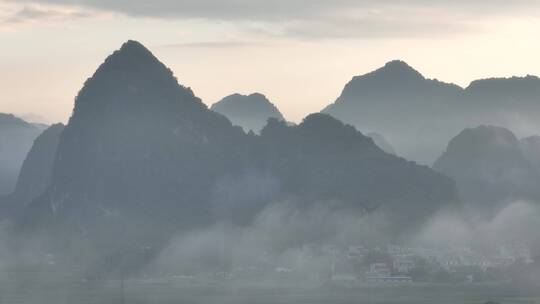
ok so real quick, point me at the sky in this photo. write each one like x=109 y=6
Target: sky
x=299 y=53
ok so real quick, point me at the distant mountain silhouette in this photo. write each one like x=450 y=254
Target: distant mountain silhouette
x=420 y=115
x=382 y=143
x=36 y=171
x=16 y=137
x=509 y=102
x=489 y=166
x=397 y=101
x=505 y=92
x=143 y=158
x=251 y=112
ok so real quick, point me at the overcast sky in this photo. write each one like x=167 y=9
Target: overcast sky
x=300 y=53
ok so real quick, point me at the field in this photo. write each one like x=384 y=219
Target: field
x=30 y=288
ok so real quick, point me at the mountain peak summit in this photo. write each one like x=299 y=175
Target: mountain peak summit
x=132 y=44
x=397 y=63
x=131 y=53
x=400 y=68
x=133 y=47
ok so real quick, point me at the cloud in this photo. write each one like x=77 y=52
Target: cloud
x=214 y=44
x=207 y=9
x=276 y=234
x=34 y=13
x=314 y=19
x=274 y=9
x=394 y=24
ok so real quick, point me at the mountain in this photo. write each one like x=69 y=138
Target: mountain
x=503 y=92
x=489 y=167
x=508 y=102
x=36 y=171
x=322 y=159
x=136 y=162
x=251 y=112
x=396 y=100
x=16 y=137
x=142 y=159
x=382 y=143
x=137 y=137
x=419 y=115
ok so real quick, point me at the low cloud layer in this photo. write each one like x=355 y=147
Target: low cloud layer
x=281 y=230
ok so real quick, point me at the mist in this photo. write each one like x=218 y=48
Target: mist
x=296 y=251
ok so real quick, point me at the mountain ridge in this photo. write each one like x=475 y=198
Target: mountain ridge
x=251 y=112
x=420 y=115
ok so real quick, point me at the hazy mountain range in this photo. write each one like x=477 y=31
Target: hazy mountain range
x=142 y=158
x=419 y=115
x=252 y=112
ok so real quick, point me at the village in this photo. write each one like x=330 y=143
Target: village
x=392 y=264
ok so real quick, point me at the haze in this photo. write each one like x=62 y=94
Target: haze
x=298 y=53
x=259 y=151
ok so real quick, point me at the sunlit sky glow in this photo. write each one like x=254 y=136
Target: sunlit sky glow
x=300 y=53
